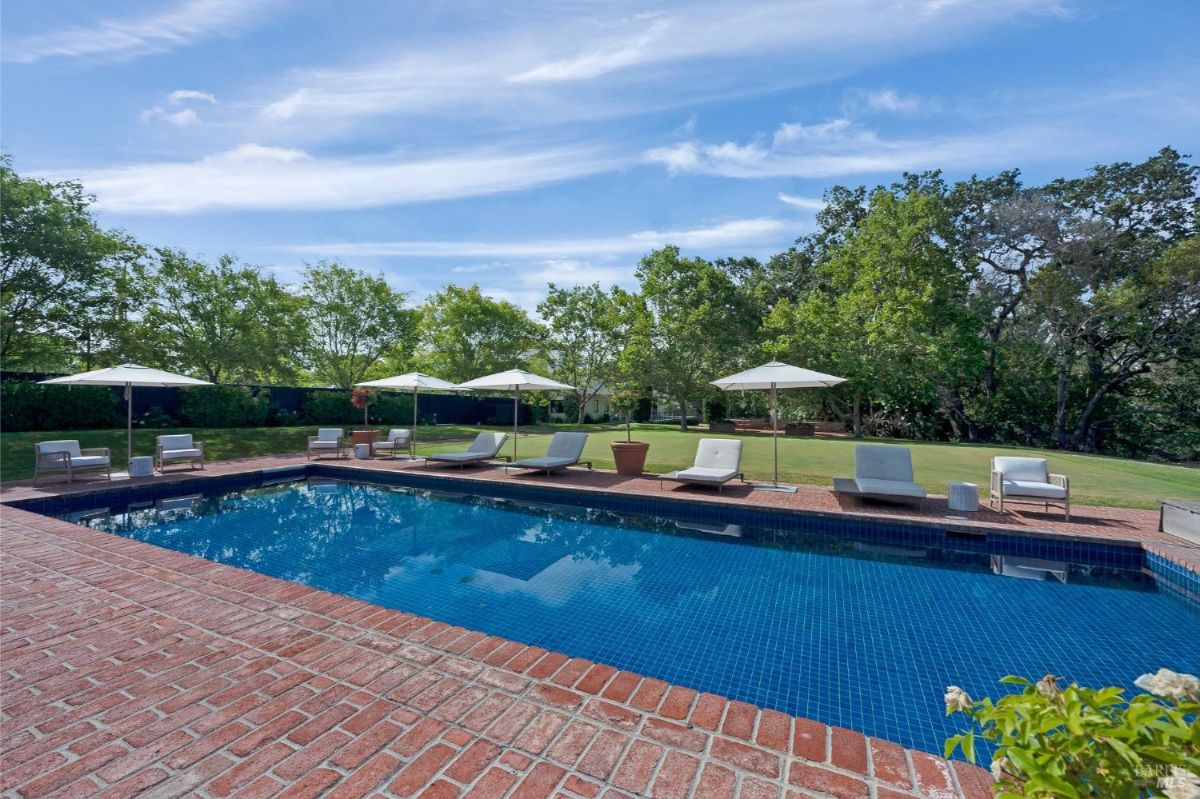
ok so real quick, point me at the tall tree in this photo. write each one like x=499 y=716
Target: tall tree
x=465 y=334
x=585 y=338
x=688 y=323
x=229 y=321
x=354 y=320
x=56 y=263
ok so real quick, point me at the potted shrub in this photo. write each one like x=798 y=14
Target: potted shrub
x=629 y=455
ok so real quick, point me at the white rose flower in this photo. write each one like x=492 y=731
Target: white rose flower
x=998 y=771
x=1170 y=685
x=957 y=699
x=1182 y=784
x=1048 y=686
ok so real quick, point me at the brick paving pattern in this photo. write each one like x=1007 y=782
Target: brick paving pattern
x=131 y=670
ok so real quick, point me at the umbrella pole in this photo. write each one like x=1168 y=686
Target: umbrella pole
x=412 y=440
x=774 y=484
x=128 y=423
x=775 y=429
x=516 y=416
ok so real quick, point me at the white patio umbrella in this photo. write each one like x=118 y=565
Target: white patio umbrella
x=774 y=376
x=517 y=380
x=128 y=375
x=414 y=381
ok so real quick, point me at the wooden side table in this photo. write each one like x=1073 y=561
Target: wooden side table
x=364 y=437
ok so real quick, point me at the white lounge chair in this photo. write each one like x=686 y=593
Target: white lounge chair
x=327 y=440
x=565 y=450
x=397 y=441
x=66 y=457
x=178 y=448
x=718 y=460
x=1029 y=480
x=485 y=447
x=881 y=472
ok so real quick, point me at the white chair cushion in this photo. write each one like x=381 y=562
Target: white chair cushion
x=178 y=441
x=322 y=445
x=461 y=456
x=329 y=433
x=718 y=453
x=896 y=488
x=83 y=461
x=487 y=443
x=1021 y=469
x=705 y=474
x=396 y=433
x=182 y=453
x=1032 y=488
x=566 y=446
x=880 y=462
x=544 y=463
x=67 y=446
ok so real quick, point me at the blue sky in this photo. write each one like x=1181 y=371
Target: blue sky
x=510 y=144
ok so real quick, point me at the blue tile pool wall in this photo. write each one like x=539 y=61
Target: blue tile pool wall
x=1174 y=575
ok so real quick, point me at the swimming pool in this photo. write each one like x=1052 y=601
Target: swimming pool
x=855 y=625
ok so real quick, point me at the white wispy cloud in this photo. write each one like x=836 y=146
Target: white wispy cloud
x=807 y=203
x=886 y=101
x=167 y=28
x=553 y=63
x=840 y=147
x=180 y=96
x=736 y=232
x=259 y=177
x=182 y=118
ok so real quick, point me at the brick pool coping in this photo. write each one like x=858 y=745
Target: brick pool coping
x=129 y=669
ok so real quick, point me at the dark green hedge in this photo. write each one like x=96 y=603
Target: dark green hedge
x=224 y=406
x=25 y=405
x=333 y=407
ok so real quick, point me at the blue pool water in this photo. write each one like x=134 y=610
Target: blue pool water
x=853 y=631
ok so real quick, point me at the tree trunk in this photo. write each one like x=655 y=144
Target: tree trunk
x=1060 y=417
x=683 y=413
x=857 y=415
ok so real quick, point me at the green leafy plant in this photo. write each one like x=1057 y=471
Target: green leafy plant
x=1082 y=742
x=625 y=400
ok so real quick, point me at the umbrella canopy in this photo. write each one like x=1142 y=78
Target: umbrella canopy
x=517 y=380
x=772 y=377
x=777 y=375
x=128 y=375
x=414 y=381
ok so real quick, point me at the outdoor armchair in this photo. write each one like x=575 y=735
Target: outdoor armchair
x=66 y=457
x=565 y=450
x=1028 y=480
x=485 y=447
x=718 y=460
x=327 y=440
x=397 y=441
x=178 y=448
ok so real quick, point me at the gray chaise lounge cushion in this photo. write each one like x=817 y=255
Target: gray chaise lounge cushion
x=565 y=450
x=885 y=471
x=483 y=448
x=718 y=460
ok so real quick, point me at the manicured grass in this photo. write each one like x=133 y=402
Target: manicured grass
x=1094 y=480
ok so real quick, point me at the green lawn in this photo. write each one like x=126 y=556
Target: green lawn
x=1094 y=480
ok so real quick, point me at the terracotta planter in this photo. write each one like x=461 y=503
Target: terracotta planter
x=630 y=457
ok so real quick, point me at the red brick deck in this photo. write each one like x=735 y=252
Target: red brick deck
x=134 y=670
